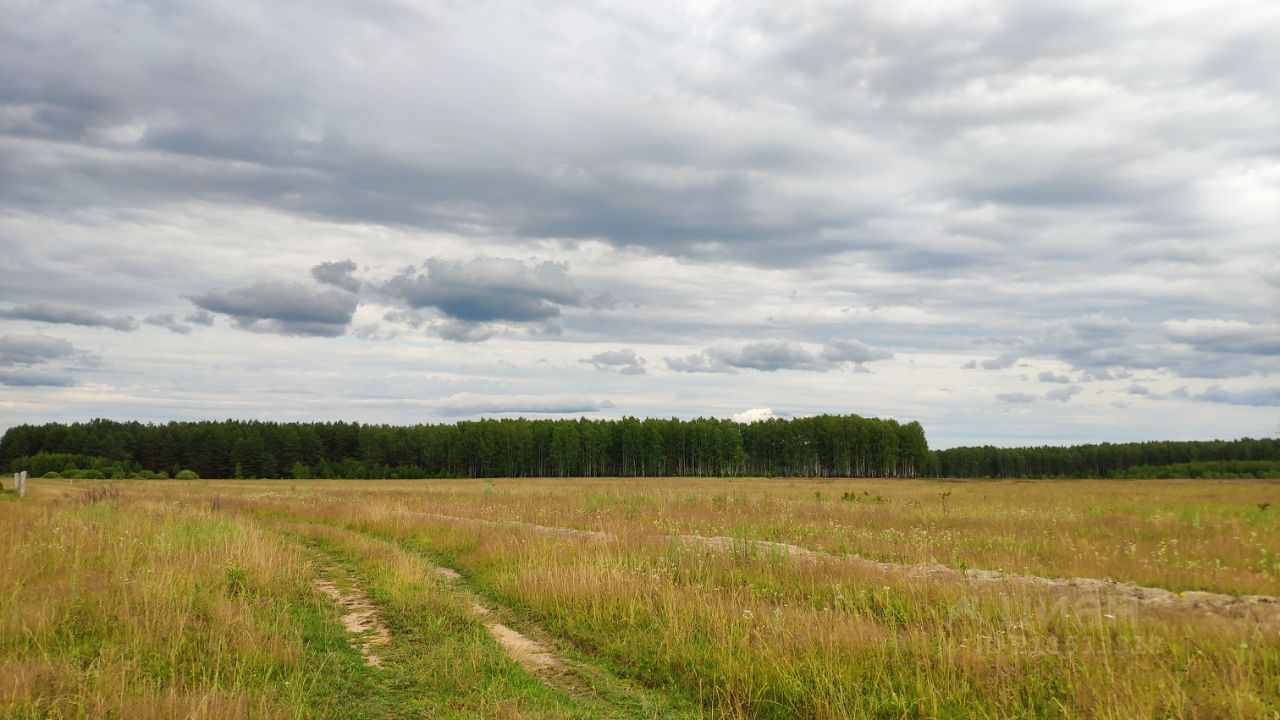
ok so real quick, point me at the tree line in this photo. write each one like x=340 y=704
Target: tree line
x=1246 y=457
x=823 y=446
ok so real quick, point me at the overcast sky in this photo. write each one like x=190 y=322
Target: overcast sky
x=1015 y=222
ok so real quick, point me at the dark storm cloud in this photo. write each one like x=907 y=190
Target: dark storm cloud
x=625 y=362
x=338 y=274
x=66 y=315
x=282 y=308
x=774 y=355
x=32 y=349
x=475 y=295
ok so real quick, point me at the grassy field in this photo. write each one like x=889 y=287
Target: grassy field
x=208 y=599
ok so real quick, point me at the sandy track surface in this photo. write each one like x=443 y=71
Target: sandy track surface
x=1262 y=609
x=531 y=654
x=360 y=619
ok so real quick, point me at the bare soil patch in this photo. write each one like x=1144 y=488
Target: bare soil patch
x=360 y=619
x=532 y=655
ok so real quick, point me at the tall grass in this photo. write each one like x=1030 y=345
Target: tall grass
x=1181 y=535
x=163 y=599
x=757 y=635
x=140 y=609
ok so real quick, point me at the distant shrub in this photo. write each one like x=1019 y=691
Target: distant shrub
x=52 y=474
x=90 y=475
x=162 y=475
x=186 y=475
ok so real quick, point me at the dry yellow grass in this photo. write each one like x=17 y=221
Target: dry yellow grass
x=1180 y=535
x=145 y=611
x=738 y=631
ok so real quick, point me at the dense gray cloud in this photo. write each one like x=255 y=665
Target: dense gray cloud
x=200 y=317
x=766 y=356
x=462 y=332
x=1033 y=109
x=32 y=349
x=1037 y=191
x=287 y=308
x=1256 y=397
x=33 y=378
x=21 y=354
x=774 y=355
x=1063 y=394
x=63 y=314
x=1101 y=347
x=1052 y=377
x=338 y=274
x=696 y=363
x=169 y=322
x=852 y=351
x=1226 y=336
x=474 y=294
x=624 y=361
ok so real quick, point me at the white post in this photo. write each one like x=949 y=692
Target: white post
x=21 y=479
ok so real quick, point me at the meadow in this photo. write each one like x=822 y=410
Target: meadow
x=641 y=598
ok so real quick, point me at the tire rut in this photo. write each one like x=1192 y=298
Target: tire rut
x=532 y=655
x=1260 y=609
x=361 y=619
x=606 y=695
